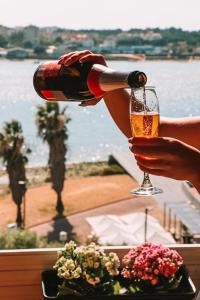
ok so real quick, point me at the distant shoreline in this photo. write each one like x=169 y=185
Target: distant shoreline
x=40 y=174
x=117 y=57
x=141 y=57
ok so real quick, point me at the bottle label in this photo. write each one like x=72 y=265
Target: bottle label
x=93 y=82
x=54 y=95
x=102 y=79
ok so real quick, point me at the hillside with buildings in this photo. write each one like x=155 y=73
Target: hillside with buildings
x=51 y=42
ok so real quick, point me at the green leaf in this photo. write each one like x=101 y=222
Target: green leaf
x=134 y=289
x=64 y=290
x=116 y=288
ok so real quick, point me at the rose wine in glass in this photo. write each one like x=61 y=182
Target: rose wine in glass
x=144 y=120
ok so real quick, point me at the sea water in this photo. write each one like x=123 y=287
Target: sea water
x=92 y=132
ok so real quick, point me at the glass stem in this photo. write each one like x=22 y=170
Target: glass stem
x=146 y=184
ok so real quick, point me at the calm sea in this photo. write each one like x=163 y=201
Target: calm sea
x=92 y=133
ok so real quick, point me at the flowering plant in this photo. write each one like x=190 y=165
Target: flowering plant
x=151 y=266
x=86 y=270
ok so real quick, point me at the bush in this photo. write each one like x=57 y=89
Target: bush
x=24 y=239
x=18 y=239
x=2 y=241
x=102 y=168
x=112 y=170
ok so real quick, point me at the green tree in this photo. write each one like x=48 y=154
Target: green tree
x=3 y=41
x=40 y=50
x=58 y=40
x=28 y=45
x=13 y=152
x=17 y=38
x=51 y=124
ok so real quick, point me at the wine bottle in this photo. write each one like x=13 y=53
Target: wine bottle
x=81 y=81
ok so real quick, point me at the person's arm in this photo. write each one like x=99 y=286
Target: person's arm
x=117 y=103
x=186 y=129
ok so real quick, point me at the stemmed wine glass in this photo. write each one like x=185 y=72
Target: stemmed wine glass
x=144 y=119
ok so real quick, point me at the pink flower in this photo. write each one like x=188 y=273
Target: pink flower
x=150 y=262
x=154 y=281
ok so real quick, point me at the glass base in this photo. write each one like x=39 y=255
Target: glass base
x=146 y=191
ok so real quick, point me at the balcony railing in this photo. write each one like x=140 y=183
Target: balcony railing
x=20 y=270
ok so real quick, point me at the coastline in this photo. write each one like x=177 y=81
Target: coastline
x=116 y=57
x=38 y=175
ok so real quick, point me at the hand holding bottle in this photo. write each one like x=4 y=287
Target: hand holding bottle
x=83 y=56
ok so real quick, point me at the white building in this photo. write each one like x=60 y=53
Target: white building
x=109 y=43
x=31 y=34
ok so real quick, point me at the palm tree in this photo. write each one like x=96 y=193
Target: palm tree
x=13 y=152
x=51 y=123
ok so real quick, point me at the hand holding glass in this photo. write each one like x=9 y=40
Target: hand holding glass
x=144 y=118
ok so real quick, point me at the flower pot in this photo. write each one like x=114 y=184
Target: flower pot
x=186 y=290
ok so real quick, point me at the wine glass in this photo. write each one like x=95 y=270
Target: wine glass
x=144 y=119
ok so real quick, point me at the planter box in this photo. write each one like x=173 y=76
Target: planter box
x=186 y=291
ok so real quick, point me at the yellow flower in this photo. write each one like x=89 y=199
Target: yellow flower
x=78 y=270
x=67 y=275
x=97 y=280
x=76 y=275
x=69 y=264
x=91 y=280
x=70 y=246
x=85 y=265
x=90 y=263
x=96 y=265
x=109 y=265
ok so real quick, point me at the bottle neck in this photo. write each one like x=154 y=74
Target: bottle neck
x=102 y=79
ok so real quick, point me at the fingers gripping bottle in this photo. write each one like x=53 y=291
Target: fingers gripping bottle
x=81 y=81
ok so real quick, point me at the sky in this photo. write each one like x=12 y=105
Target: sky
x=102 y=14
